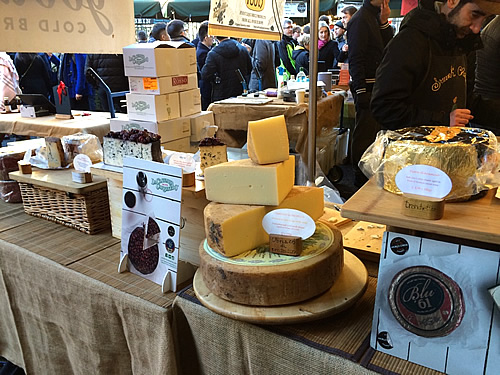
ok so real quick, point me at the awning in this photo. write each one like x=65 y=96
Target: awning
x=147 y=9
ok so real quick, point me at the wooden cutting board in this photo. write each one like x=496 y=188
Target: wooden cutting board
x=365 y=240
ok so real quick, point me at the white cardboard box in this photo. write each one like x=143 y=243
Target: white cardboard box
x=198 y=122
x=154 y=108
x=169 y=130
x=159 y=59
x=181 y=145
x=190 y=102
x=414 y=278
x=162 y=85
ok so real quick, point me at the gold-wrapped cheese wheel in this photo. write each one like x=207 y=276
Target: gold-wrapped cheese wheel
x=458 y=152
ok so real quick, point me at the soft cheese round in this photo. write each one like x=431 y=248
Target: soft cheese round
x=261 y=278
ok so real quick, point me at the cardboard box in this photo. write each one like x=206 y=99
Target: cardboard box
x=198 y=122
x=162 y=85
x=154 y=108
x=433 y=307
x=169 y=130
x=190 y=102
x=181 y=145
x=159 y=59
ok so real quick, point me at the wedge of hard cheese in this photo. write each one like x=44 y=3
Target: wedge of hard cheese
x=232 y=229
x=267 y=140
x=244 y=182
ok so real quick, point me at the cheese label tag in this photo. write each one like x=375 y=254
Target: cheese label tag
x=184 y=161
x=82 y=163
x=150 y=83
x=424 y=180
x=288 y=222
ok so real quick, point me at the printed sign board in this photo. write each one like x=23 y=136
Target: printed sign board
x=257 y=19
x=83 y=26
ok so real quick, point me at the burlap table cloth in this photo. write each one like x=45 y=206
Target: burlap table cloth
x=58 y=321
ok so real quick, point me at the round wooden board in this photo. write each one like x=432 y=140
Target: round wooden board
x=348 y=288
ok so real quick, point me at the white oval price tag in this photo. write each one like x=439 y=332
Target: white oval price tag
x=288 y=222
x=424 y=180
x=82 y=163
x=184 y=161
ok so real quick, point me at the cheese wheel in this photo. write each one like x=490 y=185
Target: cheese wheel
x=261 y=278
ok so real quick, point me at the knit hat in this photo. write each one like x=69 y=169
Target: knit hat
x=340 y=24
x=490 y=6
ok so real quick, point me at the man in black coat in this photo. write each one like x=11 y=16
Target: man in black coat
x=204 y=45
x=221 y=67
x=422 y=79
x=369 y=32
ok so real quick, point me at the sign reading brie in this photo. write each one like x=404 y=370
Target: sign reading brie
x=424 y=180
x=184 y=161
x=288 y=222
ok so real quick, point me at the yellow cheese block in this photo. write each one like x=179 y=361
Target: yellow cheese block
x=232 y=229
x=244 y=182
x=267 y=140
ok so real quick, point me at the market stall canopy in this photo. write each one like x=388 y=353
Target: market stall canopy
x=147 y=9
x=189 y=9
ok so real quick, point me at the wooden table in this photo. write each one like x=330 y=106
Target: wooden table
x=96 y=123
x=477 y=220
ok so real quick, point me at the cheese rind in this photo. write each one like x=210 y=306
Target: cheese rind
x=267 y=140
x=232 y=229
x=244 y=182
x=277 y=284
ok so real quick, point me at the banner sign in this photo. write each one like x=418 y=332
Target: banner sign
x=257 y=19
x=71 y=26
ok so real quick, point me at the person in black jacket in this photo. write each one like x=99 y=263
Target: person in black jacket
x=368 y=32
x=33 y=74
x=110 y=68
x=301 y=54
x=264 y=63
x=328 y=49
x=221 y=67
x=176 y=30
x=422 y=79
x=204 y=45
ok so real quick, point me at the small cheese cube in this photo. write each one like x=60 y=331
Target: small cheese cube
x=244 y=182
x=267 y=140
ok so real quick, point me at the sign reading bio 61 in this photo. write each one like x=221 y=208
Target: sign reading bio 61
x=72 y=26
x=258 y=19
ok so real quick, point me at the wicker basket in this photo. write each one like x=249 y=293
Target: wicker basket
x=87 y=212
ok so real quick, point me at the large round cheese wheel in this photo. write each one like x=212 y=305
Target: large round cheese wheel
x=261 y=278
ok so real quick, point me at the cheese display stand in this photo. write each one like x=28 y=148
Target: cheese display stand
x=433 y=305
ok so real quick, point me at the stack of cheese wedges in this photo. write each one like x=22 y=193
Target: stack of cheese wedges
x=234 y=262
x=244 y=191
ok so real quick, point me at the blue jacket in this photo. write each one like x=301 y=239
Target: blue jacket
x=72 y=73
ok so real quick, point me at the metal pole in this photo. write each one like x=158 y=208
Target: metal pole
x=313 y=104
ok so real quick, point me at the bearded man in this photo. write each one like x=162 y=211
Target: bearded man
x=422 y=79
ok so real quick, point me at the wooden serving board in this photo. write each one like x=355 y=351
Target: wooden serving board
x=58 y=179
x=365 y=240
x=348 y=288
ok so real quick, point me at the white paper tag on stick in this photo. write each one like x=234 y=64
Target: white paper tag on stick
x=424 y=180
x=82 y=163
x=184 y=161
x=288 y=222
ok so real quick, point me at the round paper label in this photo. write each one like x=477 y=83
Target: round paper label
x=82 y=163
x=184 y=161
x=288 y=222
x=423 y=180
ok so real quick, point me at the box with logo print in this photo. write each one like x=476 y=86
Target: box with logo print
x=163 y=85
x=159 y=59
x=433 y=306
x=168 y=130
x=155 y=108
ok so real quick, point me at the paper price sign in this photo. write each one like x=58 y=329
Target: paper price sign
x=184 y=161
x=288 y=222
x=424 y=180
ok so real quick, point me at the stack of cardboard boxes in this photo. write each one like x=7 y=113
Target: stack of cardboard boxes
x=164 y=97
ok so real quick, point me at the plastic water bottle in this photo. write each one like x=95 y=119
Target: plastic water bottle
x=301 y=76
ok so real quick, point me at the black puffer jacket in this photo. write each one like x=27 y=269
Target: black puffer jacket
x=405 y=63
x=220 y=69
x=110 y=69
x=301 y=57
